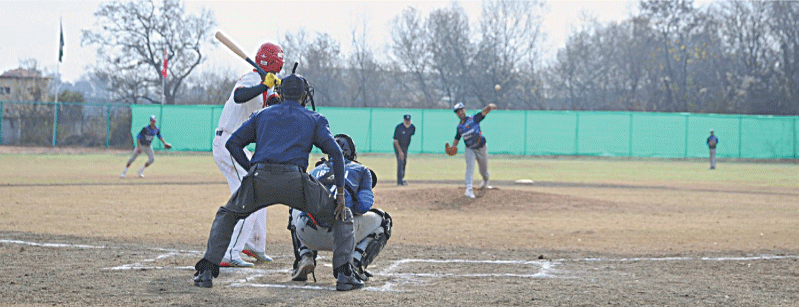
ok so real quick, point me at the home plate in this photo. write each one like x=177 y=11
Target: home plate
x=524 y=181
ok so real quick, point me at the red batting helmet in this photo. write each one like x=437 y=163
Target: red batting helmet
x=270 y=57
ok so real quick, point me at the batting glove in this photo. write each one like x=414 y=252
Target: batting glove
x=270 y=80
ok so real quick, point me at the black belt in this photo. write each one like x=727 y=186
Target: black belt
x=278 y=167
x=219 y=133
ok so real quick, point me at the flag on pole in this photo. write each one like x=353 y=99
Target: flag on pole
x=61 y=44
x=163 y=71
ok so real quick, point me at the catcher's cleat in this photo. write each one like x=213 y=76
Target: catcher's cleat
x=347 y=281
x=258 y=256
x=305 y=266
x=469 y=193
x=239 y=263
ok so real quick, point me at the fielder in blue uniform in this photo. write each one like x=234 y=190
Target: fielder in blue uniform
x=144 y=142
x=372 y=225
x=475 y=143
x=402 y=140
x=284 y=135
x=712 y=141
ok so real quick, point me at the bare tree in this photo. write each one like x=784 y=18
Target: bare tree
x=452 y=51
x=320 y=62
x=510 y=33
x=673 y=21
x=784 y=22
x=365 y=72
x=210 y=87
x=412 y=57
x=131 y=37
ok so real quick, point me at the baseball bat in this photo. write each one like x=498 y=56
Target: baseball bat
x=233 y=47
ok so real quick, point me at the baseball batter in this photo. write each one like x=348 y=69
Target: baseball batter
x=372 y=226
x=475 y=143
x=144 y=142
x=251 y=93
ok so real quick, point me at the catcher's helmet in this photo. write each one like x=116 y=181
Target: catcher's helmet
x=347 y=146
x=270 y=57
x=457 y=107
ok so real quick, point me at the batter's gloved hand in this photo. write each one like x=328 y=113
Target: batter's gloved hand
x=270 y=80
x=450 y=150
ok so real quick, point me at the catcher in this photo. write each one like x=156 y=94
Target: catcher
x=469 y=129
x=372 y=226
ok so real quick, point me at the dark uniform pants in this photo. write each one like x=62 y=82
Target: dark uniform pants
x=269 y=184
x=401 y=164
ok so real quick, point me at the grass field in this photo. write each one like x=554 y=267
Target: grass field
x=671 y=215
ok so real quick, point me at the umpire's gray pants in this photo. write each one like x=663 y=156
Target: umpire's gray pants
x=268 y=184
x=481 y=155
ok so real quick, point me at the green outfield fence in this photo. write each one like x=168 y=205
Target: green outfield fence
x=578 y=133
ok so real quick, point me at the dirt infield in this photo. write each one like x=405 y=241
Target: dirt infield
x=96 y=241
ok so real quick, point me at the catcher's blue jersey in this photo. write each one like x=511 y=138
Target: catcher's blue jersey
x=470 y=130
x=356 y=176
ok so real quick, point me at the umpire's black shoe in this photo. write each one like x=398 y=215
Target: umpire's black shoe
x=203 y=279
x=206 y=271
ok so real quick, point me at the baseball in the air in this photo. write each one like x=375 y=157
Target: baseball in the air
x=497 y=87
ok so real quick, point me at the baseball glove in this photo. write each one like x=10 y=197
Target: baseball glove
x=167 y=146
x=450 y=150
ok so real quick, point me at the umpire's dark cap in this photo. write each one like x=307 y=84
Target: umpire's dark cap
x=293 y=87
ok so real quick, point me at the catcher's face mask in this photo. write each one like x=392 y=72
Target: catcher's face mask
x=347 y=146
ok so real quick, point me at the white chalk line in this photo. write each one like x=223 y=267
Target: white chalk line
x=546 y=267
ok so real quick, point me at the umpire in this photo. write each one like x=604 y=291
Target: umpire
x=284 y=135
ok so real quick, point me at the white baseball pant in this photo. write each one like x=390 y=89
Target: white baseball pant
x=250 y=231
x=321 y=239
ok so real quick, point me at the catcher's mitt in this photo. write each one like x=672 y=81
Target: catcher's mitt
x=167 y=146
x=450 y=150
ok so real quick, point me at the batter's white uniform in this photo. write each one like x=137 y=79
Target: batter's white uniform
x=251 y=230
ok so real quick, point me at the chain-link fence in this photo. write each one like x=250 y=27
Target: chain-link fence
x=65 y=124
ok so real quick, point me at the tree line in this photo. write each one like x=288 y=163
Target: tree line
x=671 y=56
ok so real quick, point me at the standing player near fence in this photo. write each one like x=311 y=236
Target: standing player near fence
x=251 y=93
x=475 y=143
x=712 y=140
x=144 y=144
x=402 y=140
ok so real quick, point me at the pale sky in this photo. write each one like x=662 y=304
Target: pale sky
x=30 y=28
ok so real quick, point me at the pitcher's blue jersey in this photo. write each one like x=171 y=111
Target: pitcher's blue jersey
x=470 y=130
x=147 y=134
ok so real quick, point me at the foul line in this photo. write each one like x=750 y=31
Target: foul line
x=546 y=267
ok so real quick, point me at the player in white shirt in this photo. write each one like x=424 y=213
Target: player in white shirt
x=251 y=93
